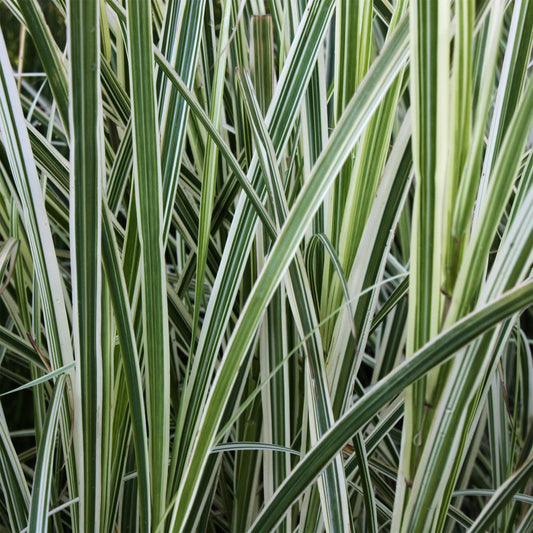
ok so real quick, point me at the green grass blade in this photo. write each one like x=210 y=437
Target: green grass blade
x=429 y=75
x=238 y=446
x=42 y=379
x=149 y=204
x=85 y=221
x=128 y=349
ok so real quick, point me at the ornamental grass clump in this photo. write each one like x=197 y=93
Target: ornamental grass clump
x=266 y=266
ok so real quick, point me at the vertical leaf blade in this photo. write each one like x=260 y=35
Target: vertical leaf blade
x=149 y=206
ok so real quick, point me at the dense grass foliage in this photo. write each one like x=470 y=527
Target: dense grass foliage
x=266 y=265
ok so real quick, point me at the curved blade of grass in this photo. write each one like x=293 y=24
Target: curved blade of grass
x=243 y=446
x=365 y=101
x=517 y=496
x=399 y=292
x=323 y=239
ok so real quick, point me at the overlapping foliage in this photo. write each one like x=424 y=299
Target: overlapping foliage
x=266 y=266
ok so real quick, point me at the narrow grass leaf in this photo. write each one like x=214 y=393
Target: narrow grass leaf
x=85 y=223
x=149 y=206
x=40 y=497
x=128 y=349
x=42 y=379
